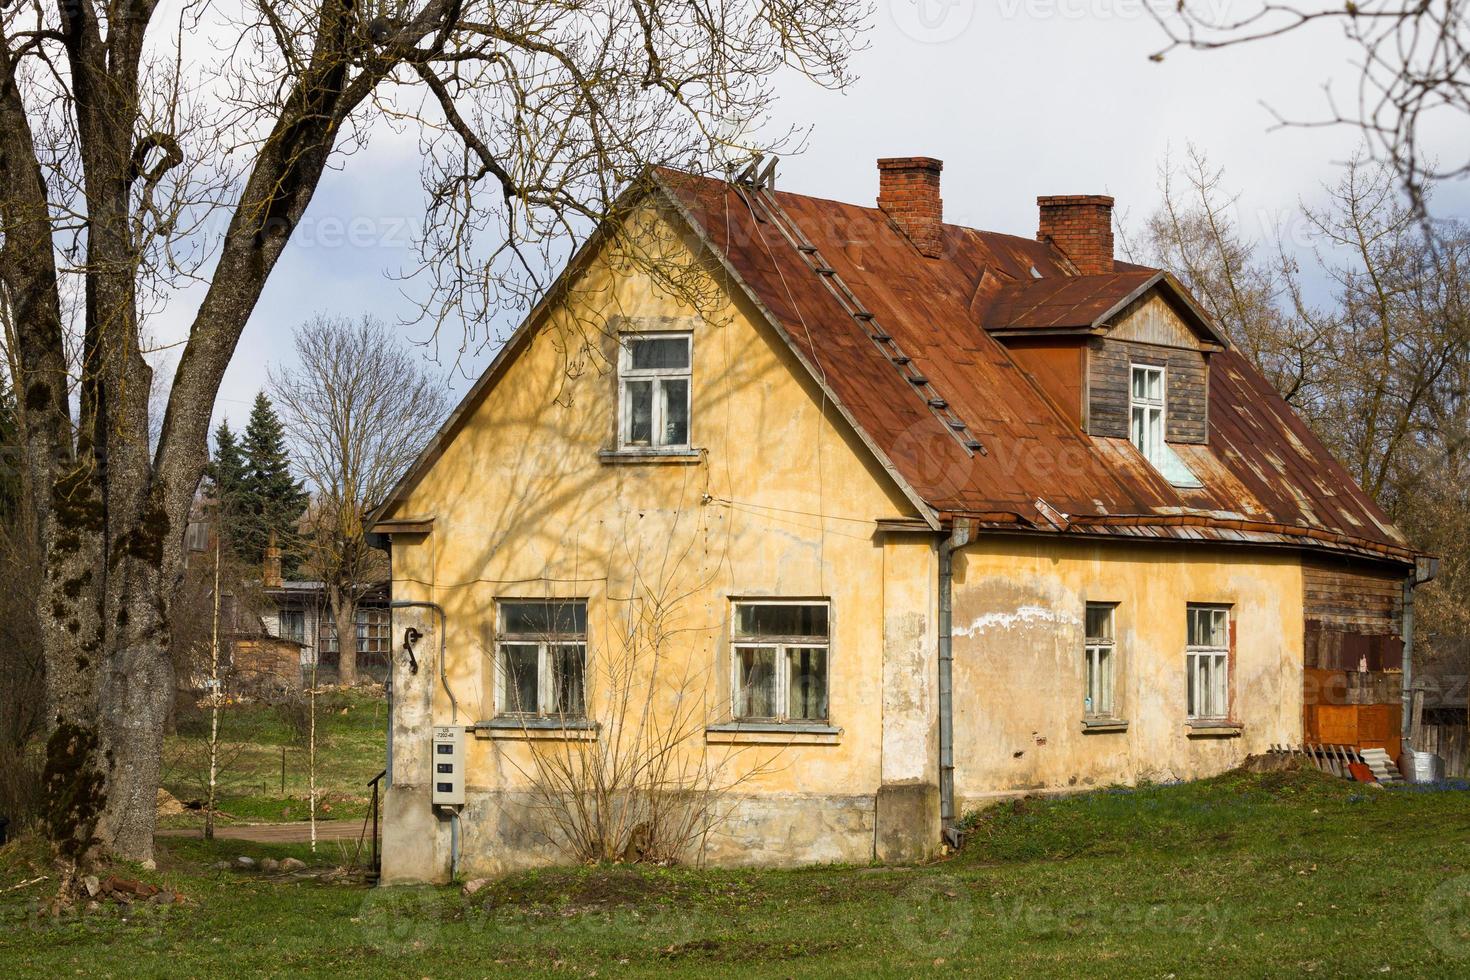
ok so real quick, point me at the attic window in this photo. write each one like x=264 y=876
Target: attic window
x=1148 y=424
x=653 y=391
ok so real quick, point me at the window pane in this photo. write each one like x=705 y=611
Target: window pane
x=1099 y=621
x=653 y=353
x=637 y=413
x=1140 y=383
x=806 y=698
x=1136 y=432
x=568 y=664
x=564 y=617
x=1191 y=668
x=1156 y=385
x=676 y=412
x=755 y=682
x=1220 y=687
x=518 y=678
x=786 y=619
x=1104 y=703
x=1155 y=431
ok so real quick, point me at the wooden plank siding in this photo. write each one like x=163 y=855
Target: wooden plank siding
x=1353 y=654
x=1109 y=375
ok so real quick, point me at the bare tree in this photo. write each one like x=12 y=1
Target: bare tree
x=1380 y=368
x=1250 y=287
x=358 y=407
x=1413 y=58
x=144 y=147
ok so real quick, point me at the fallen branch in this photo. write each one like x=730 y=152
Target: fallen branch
x=24 y=884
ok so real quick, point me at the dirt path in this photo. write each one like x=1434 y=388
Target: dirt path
x=275 y=833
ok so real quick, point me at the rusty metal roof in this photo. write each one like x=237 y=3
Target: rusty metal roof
x=1063 y=301
x=1266 y=478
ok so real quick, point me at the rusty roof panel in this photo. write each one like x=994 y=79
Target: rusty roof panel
x=1061 y=302
x=1261 y=462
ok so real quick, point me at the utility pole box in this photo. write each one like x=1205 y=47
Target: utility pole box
x=448 y=766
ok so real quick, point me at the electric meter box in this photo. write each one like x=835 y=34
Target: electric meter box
x=447 y=766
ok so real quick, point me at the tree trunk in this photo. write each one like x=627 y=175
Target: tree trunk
x=344 y=611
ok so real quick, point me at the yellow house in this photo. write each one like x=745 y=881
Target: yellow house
x=788 y=530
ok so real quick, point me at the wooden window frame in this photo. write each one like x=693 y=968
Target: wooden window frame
x=546 y=680
x=656 y=378
x=1096 y=650
x=1154 y=454
x=1221 y=680
x=783 y=646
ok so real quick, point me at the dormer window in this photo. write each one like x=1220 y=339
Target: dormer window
x=1148 y=423
x=653 y=391
x=1146 y=429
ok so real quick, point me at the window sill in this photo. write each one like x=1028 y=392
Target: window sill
x=772 y=733
x=537 y=729
x=650 y=455
x=1214 y=729
x=1101 y=726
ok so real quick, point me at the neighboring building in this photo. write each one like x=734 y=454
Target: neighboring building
x=302 y=615
x=921 y=516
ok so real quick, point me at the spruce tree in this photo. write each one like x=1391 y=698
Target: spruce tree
x=227 y=475
x=275 y=500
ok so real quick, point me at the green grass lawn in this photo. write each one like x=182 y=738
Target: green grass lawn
x=256 y=738
x=1236 y=876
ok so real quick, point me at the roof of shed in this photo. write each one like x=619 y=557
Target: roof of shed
x=1266 y=478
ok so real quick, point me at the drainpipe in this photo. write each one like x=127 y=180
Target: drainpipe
x=1425 y=569
x=958 y=538
x=1406 y=722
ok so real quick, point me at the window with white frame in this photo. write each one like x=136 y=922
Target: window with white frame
x=653 y=391
x=1146 y=417
x=1148 y=424
x=1208 y=662
x=1101 y=660
x=780 y=661
x=541 y=658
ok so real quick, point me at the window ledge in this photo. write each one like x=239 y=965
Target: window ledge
x=1099 y=726
x=529 y=729
x=650 y=455
x=1214 y=729
x=772 y=733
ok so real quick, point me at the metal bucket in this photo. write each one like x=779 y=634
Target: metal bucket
x=1421 y=767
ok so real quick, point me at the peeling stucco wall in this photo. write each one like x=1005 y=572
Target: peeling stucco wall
x=1020 y=673
x=782 y=502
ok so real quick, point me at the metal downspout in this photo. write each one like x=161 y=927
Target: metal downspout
x=958 y=538
x=1406 y=722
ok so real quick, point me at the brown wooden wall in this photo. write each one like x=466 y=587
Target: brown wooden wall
x=1056 y=364
x=1354 y=620
x=1108 y=378
x=1357 y=600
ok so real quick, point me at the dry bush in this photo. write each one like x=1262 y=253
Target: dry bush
x=648 y=788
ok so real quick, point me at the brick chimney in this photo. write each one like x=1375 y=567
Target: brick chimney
x=908 y=192
x=270 y=576
x=1081 y=225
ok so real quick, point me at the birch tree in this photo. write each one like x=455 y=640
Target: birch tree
x=146 y=147
x=358 y=408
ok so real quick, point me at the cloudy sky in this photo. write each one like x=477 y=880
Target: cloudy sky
x=1017 y=97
